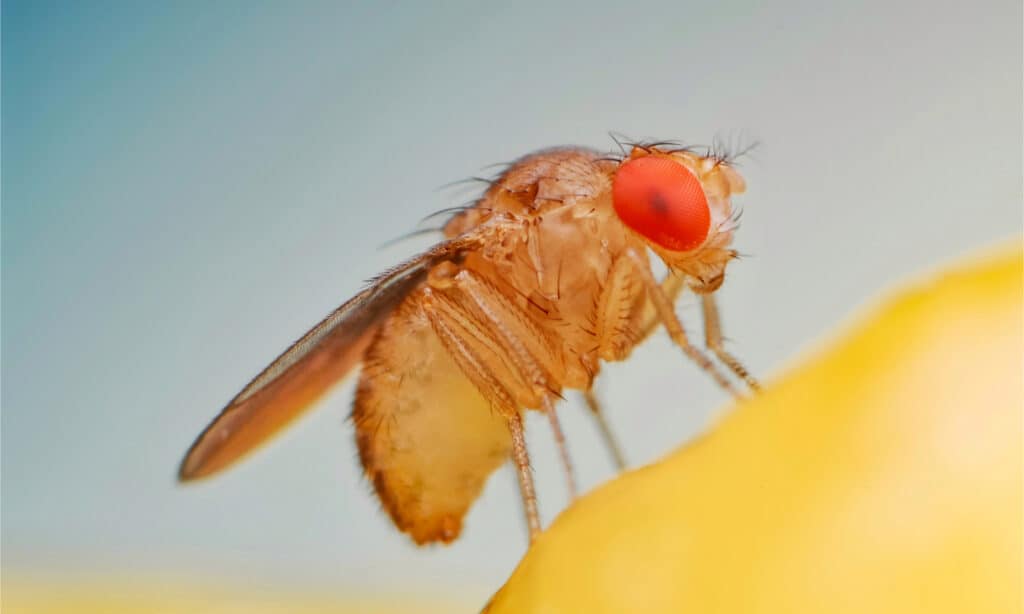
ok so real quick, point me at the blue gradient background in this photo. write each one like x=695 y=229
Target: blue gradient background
x=188 y=186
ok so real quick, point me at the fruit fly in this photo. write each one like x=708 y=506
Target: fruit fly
x=547 y=275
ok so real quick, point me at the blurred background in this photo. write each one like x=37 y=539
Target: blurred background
x=187 y=187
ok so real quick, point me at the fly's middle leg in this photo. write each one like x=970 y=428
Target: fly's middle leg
x=610 y=442
x=620 y=322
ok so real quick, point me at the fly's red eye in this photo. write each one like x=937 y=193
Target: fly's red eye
x=663 y=201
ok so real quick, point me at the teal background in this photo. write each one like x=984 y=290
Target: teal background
x=188 y=186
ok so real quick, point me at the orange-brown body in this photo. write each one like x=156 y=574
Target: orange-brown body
x=539 y=282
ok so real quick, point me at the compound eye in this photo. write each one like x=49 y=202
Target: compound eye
x=663 y=201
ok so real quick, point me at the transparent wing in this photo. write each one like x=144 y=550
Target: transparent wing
x=307 y=369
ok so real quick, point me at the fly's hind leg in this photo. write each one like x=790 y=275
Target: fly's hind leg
x=522 y=462
x=713 y=340
x=505 y=354
x=474 y=352
x=526 y=348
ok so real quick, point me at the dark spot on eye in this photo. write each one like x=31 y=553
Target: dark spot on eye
x=658 y=203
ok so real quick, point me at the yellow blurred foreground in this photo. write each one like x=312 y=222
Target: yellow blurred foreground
x=882 y=474
x=134 y=594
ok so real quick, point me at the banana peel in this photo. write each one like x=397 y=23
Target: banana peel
x=881 y=474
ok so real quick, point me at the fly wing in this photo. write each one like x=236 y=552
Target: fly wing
x=307 y=369
x=427 y=438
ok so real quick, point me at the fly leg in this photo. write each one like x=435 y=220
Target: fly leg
x=524 y=474
x=619 y=327
x=563 y=449
x=671 y=286
x=713 y=340
x=527 y=349
x=606 y=432
x=474 y=351
x=667 y=315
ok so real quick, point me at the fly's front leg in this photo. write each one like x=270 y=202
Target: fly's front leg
x=668 y=317
x=713 y=340
x=671 y=286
